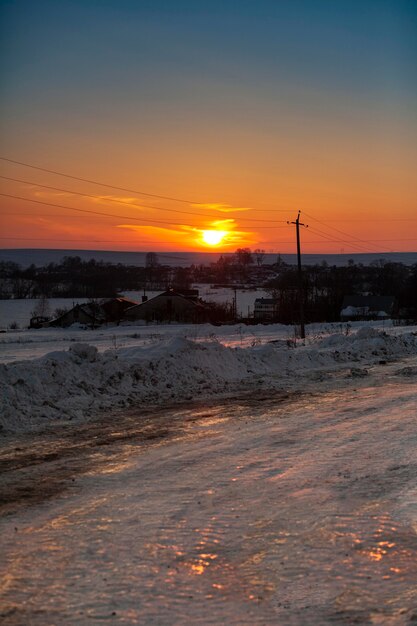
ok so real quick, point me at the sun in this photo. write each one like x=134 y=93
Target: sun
x=213 y=237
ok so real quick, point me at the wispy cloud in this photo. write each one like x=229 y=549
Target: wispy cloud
x=185 y=235
x=51 y=195
x=121 y=199
x=222 y=208
x=54 y=195
x=145 y=229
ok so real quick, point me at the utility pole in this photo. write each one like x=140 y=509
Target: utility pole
x=300 y=275
x=235 y=304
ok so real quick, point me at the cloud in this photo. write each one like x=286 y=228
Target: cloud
x=157 y=231
x=185 y=235
x=54 y=195
x=222 y=208
x=111 y=198
x=228 y=223
x=51 y=195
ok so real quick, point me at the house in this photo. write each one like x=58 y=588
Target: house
x=114 y=308
x=170 y=306
x=265 y=308
x=88 y=314
x=367 y=308
x=190 y=294
x=38 y=321
x=92 y=313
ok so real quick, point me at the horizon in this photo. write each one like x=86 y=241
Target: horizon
x=41 y=257
x=188 y=126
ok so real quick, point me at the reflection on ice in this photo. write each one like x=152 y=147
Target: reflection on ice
x=264 y=520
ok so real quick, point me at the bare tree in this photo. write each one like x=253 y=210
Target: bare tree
x=244 y=256
x=42 y=308
x=259 y=256
x=151 y=260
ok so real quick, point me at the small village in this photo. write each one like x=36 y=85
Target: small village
x=381 y=290
x=186 y=307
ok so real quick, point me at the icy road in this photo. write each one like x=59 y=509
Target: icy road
x=281 y=509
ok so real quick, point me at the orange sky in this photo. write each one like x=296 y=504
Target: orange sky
x=245 y=131
x=349 y=206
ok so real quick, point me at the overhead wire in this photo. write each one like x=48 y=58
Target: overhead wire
x=94 y=182
x=113 y=215
x=349 y=242
x=275 y=242
x=126 y=202
x=61 y=206
x=336 y=229
x=101 y=184
x=166 y=209
x=316 y=231
x=328 y=237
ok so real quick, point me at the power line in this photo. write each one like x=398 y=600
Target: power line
x=325 y=236
x=170 y=198
x=379 y=219
x=275 y=242
x=68 y=208
x=337 y=230
x=126 y=217
x=94 y=182
x=353 y=244
x=397 y=240
x=167 y=223
x=125 y=202
x=86 y=240
x=101 y=184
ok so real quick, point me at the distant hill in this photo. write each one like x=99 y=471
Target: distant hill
x=40 y=257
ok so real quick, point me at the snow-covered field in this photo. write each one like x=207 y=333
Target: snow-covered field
x=73 y=374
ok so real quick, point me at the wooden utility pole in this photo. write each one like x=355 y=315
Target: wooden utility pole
x=235 y=304
x=300 y=275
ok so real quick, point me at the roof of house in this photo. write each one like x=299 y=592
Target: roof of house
x=95 y=314
x=373 y=303
x=122 y=302
x=266 y=301
x=170 y=293
x=119 y=299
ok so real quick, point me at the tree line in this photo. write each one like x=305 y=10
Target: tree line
x=324 y=286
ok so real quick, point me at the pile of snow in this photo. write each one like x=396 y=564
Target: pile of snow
x=80 y=382
x=352 y=311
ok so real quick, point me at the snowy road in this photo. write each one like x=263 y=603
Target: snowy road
x=291 y=509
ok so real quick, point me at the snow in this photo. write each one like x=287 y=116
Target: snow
x=293 y=511
x=287 y=496
x=353 y=310
x=51 y=375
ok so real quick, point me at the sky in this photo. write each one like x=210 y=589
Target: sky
x=208 y=124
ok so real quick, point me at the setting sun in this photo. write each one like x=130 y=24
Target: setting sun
x=213 y=237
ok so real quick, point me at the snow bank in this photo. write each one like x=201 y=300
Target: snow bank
x=81 y=382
